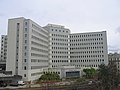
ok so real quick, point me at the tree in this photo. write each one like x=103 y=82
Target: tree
x=89 y=72
x=108 y=76
x=50 y=76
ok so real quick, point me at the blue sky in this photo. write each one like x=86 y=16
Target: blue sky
x=77 y=15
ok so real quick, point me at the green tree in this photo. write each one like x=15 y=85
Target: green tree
x=108 y=76
x=89 y=72
x=50 y=76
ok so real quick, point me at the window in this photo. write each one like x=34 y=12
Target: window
x=25 y=35
x=25 y=29
x=26 y=23
x=25 y=54
x=25 y=41
x=18 y=26
x=24 y=67
x=25 y=60
x=25 y=47
x=24 y=75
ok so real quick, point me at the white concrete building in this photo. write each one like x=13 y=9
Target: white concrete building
x=88 y=49
x=3 y=55
x=114 y=58
x=32 y=48
x=58 y=45
x=27 y=52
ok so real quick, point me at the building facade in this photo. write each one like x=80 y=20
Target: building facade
x=88 y=49
x=65 y=71
x=3 y=54
x=27 y=53
x=32 y=49
x=114 y=58
x=59 y=54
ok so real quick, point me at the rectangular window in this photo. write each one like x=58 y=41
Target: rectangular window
x=24 y=67
x=25 y=23
x=25 y=41
x=25 y=35
x=25 y=60
x=24 y=75
x=18 y=26
x=25 y=29
x=25 y=47
x=25 y=54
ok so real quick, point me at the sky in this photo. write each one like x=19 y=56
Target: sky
x=77 y=15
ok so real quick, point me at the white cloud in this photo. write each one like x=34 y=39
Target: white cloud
x=77 y=15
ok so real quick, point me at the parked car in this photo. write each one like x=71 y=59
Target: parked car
x=3 y=84
x=21 y=83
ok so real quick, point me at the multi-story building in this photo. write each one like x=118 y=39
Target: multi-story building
x=58 y=45
x=27 y=52
x=3 y=52
x=88 y=49
x=32 y=48
x=114 y=58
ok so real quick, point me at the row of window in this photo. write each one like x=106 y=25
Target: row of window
x=86 y=35
x=57 y=65
x=59 y=35
x=59 y=39
x=93 y=65
x=60 y=44
x=90 y=60
x=59 y=52
x=38 y=60
x=86 y=56
x=25 y=45
x=57 y=61
x=77 y=44
x=76 y=48
x=17 y=46
x=114 y=58
x=92 y=39
x=59 y=56
x=51 y=72
x=60 y=30
x=84 y=52
x=64 y=48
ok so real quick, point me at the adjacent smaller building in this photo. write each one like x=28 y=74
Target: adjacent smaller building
x=3 y=55
x=114 y=58
x=65 y=71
